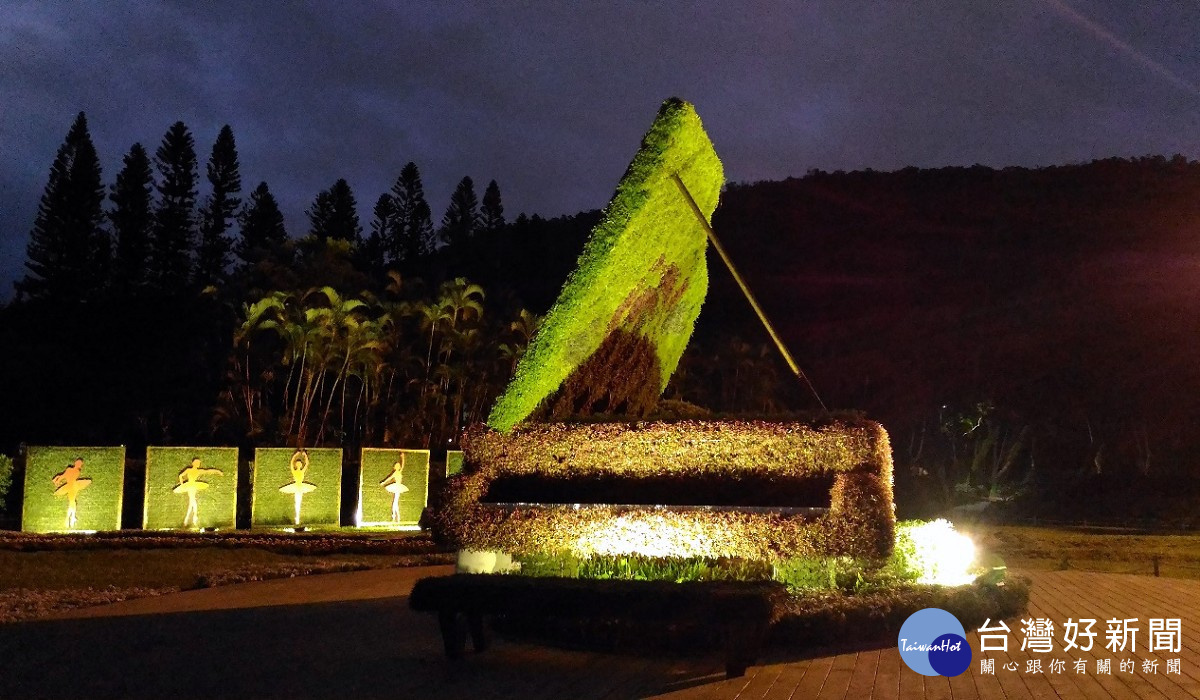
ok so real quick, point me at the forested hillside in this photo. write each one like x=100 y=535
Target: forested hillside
x=1062 y=304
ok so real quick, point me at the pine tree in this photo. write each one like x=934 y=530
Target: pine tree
x=219 y=210
x=262 y=226
x=319 y=214
x=132 y=219
x=372 y=253
x=68 y=248
x=411 y=234
x=175 y=218
x=462 y=216
x=491 y=217
x=334 y=214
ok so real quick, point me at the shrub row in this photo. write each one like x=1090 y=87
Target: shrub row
x=299 y=544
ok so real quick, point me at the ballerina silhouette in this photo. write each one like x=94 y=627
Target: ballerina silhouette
x=189 y=483
x=392 y=485
x=298 y=486
x=69 y=482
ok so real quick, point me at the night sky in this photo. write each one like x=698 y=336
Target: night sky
x=551 y=101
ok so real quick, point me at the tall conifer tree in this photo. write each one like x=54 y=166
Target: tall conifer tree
x=334 y=214
x=319 y=214
x=411 y=233
x=175 y=218
x=491 y=214
x=462 y=216
x=373 y=254
x=262 y=228
x=132 y=219
x=219 y=210
x=68 y=247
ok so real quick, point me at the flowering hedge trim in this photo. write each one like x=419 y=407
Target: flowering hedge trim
x=642 y=272
x=860 y=521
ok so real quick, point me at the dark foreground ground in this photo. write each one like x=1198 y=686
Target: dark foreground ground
x=351 y=635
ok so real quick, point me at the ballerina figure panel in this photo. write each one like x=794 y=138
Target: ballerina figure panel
x=72 y=488
x=190 y=483
x=298 y=486
x=68 y=483
x=393 y=485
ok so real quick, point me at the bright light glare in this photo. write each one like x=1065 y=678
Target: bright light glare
x=942 y=556
x=653 y=536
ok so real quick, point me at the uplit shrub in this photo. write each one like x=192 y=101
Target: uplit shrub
x=932 y=552
x=641 y=568
x=824 y=573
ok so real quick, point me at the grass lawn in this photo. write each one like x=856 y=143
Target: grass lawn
x=159 y=568
x=1090 y=549
x=41 y=575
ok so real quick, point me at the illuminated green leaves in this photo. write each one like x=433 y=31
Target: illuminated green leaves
x=642 y=272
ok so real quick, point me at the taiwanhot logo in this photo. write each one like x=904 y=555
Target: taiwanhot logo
x=934 y=643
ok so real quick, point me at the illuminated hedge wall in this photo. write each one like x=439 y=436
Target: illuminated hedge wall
x=636 y=290
x=377 y=489
x=454 y=462
x=53 y=476
x=191 y=488
x=275 y=484
x=855 y=453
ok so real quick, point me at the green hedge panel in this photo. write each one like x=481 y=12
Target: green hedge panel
x=454 y=462
x=97 y=487
x=375 y=498
x=273 y=502
x=172 y=479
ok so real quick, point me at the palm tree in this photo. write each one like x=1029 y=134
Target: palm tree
x=367 y=346
x=336 y=325
x=461 y=300
x=520 y=332
x=264 y=314
x=430 y=315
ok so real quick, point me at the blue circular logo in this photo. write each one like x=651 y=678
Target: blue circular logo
x=933 y=643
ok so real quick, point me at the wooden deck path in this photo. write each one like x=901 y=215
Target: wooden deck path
x=1058 y=596
x=352 y=635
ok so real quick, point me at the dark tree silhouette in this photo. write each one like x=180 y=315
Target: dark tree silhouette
x=372 y=253
x=319 y=213
x=175 y=219
x=219 y=209
x=132 y=219
x=334 y=214
x=68 y=247
x=411 y=233
x=264 y=252
x=262 y=226
x=462 y=216
x=491 y=214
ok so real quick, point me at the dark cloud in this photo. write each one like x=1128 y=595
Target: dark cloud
x=550 y=100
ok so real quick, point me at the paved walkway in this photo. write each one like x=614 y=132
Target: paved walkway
x=352 y=636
